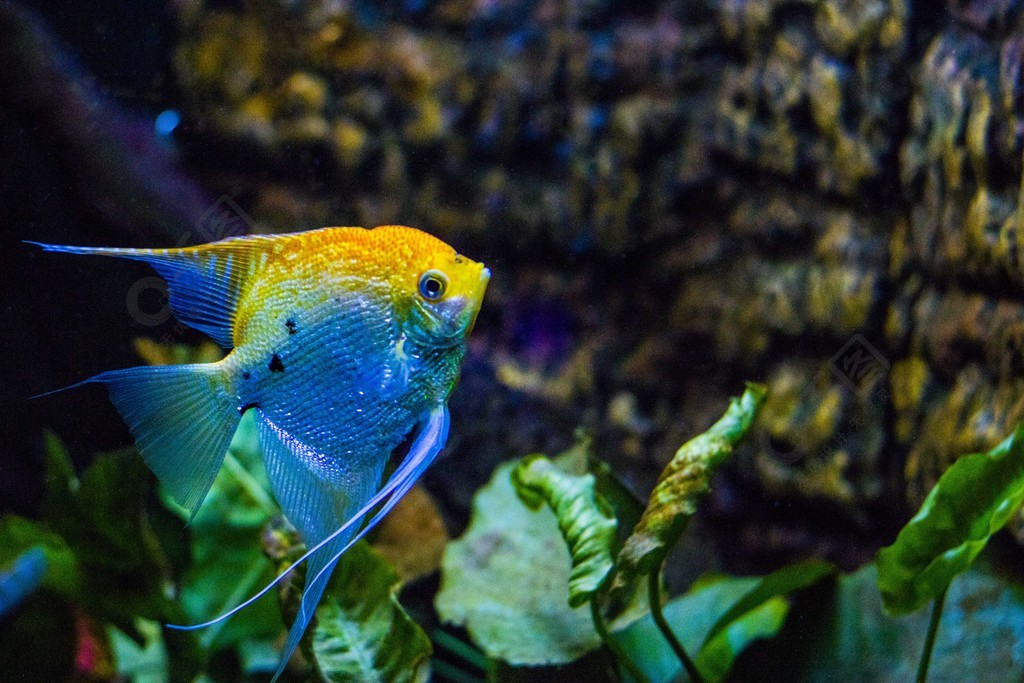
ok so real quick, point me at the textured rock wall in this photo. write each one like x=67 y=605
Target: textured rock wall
x=820 y=195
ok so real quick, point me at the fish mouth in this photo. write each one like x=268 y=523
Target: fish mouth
x=485 y=277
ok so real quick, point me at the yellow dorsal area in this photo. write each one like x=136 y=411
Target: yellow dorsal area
x=395 y=254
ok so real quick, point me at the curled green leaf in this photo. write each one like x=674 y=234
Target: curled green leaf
x=972 y=500
x=682 y=484
x=584 y=518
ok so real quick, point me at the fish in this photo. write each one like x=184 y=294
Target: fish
x=346 y=342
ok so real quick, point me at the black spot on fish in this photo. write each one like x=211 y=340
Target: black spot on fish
x=275 y=364
x=242 y=409
x=246 y=375
x=290 y=324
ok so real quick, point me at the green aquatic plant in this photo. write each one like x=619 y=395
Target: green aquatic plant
x=541 y=577
x=685 y=480
x=519 y=578
x=362 y=633
x=584 y=519
x=227 y=562
x=586 y=523
x=507 y=585
x=506 y=580
x=972 y=500
x=119 y=565
x=104 y=564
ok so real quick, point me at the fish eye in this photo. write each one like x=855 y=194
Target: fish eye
x=432 y=285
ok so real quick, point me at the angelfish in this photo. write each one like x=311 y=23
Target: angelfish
x=346 y=342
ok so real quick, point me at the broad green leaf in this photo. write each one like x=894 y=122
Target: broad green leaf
x=228 y=563
x=584 y=519
x=682 y=484
x=781 y=582
x=507 y=582
x=980 y=636
x=973 y=499
x=102 y=554
x=362 y=634
x=693 y=615
x=145 y=663
x=105 y=525
x=716 y=657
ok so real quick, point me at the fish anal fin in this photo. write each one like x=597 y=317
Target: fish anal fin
x=300 y=495
x=317 y=501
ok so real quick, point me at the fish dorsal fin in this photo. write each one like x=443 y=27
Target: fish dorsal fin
x=203 y=282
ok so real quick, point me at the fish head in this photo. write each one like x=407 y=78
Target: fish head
x=437 y=291
x=445 y=298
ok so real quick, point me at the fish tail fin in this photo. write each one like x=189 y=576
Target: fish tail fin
x=182 y=418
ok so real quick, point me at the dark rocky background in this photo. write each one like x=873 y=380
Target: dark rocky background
x=673 y=197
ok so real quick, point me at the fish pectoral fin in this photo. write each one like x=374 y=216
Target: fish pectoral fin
x=203 y=282
x=327 y=512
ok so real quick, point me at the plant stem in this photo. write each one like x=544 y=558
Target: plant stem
x=654 y=591
x=929 y=642
x=249 y=483
x=619 y=655
x=460 y=649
